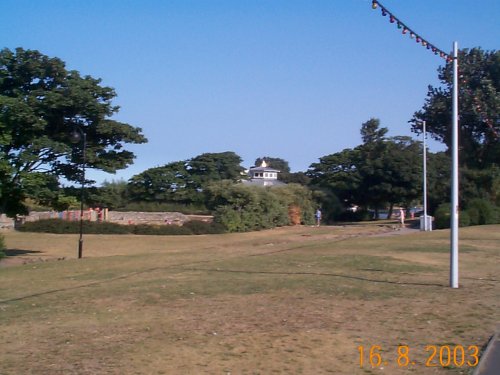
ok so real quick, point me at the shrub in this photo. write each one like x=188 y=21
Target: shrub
x=229 y=218
x=49 y=226
x=298 y=196
x=2 y=247
x=159 y=230
x=72 y=227
x=92 y=227
x=482 y=211
x=464 y=219
x=241 y=208
x=201 y=227
x=442 y=217
x=238 y=207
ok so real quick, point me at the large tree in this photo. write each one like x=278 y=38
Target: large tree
x=215 y=166
x=340 y=174
x=479 y=107
x=41 y=103
x=381 y=172
x=112 y=195
x=402 y=171
x=184 y=181
x=438 y=180
x=168 y=183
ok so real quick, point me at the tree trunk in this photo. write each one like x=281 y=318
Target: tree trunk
x=389 y=214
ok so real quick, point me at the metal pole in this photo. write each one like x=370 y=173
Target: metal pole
x=454 y=176
x=80 y=241
x=425 y=177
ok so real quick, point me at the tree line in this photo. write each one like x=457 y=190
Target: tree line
x=41 y=102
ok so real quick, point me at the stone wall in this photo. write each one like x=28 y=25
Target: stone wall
x=6 y=222
x=152 y=218
x=125 y=218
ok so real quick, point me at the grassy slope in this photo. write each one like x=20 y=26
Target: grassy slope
x=291 y=300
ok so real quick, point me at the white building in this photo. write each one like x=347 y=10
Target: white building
x=263 y=176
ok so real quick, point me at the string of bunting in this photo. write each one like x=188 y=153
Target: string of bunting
x=483 y=116
x=405 y=30
x=478 y=109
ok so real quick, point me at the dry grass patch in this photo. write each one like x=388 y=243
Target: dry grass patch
x=291 y=300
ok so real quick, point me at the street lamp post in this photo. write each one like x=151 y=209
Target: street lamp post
x=77 y=136
x=426 y=226
x=454 y=176
x=454 y=131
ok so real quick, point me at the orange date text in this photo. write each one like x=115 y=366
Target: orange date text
x=434 y=356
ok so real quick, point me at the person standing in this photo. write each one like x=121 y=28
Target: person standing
x=402 y=217
x=318 y=217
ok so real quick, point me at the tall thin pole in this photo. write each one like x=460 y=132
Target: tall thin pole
x=454 y=176
x=80 y=241
x=454 y=146
x=425 y=177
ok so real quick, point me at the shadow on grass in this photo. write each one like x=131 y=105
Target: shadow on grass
x=185 y=267
x=359 y=278
x=17 y=252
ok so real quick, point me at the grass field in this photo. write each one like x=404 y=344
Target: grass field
x=297 y=300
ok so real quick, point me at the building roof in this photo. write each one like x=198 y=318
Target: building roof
x=264 y=169
x=263 y=176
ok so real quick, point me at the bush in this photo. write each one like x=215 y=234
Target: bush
x=72 y=227
x=482 y=211
x=242 y=211
x=229 y=218
x=58 y=226
x=298 y=196
x=242 y=208
x=159 y=230
x=464 y=219
x=442 y=217
x=201 y=227
x=2 y=247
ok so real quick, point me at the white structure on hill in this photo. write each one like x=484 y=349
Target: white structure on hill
x=263 y=176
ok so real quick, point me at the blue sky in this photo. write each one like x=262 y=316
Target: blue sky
x=293 y=79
